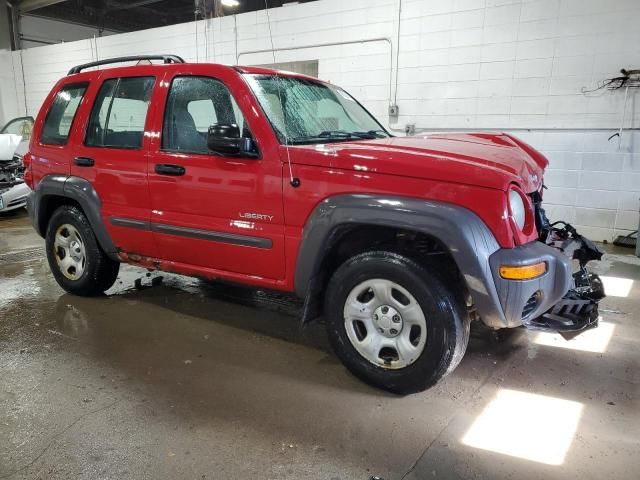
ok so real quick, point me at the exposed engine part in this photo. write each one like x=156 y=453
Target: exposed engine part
x=11 y=172
x=574 y=245
x=578 y=309
x=564 y=237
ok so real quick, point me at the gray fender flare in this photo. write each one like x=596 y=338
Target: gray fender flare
x=468 y=239
x=83 y=193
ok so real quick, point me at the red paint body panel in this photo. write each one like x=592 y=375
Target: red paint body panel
x=434 y=167
x=216 y=191
x=119 y=175
x=472 y=170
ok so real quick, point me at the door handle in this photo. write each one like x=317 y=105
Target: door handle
x=168 y=169
x=84 y=161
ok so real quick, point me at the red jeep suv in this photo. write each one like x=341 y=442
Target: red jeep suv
x=285 y=182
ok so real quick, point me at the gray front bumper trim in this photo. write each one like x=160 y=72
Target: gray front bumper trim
x=552 y=285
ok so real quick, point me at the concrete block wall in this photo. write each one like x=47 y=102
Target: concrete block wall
x=513 y=65
x=592 y=183
x=10 y=105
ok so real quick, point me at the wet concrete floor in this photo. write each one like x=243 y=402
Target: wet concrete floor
x=186 y=379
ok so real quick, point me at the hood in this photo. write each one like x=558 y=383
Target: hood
x=482 y=159
x=10 y=144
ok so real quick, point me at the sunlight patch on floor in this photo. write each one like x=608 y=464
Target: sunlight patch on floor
x=616 y=286
x=595 y=340
x=526 y=425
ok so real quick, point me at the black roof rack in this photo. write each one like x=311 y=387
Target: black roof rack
x=164 y=58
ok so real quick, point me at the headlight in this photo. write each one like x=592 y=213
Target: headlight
x=516 y=204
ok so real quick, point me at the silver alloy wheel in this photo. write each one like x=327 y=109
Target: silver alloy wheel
x=69 y=250
x=385 y=323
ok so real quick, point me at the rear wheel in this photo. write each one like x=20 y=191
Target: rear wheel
x=394 y=324
x=78 y=263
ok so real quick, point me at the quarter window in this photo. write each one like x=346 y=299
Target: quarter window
x=119 y=113
x=57 y=124
x=195 y=104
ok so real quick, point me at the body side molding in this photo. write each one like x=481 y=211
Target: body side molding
x=129 y=223
x=214 y=236
x=468 y=239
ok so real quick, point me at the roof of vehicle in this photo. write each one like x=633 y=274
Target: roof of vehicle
x=251 y=70
x=175 y=62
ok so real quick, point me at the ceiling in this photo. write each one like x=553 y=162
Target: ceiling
x=127 y=16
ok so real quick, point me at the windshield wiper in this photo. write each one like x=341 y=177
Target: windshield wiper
x=371 y=134
x=325 y=136
x=334 y=134
x=328 y=135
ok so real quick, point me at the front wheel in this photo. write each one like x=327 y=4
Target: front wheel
x=76 y=260
x=393 y=323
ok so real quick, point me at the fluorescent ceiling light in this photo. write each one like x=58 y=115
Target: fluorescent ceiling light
x=595 y=340
x=526 y=425
x=230 y=3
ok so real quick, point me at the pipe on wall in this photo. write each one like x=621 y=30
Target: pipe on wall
x=332 y=44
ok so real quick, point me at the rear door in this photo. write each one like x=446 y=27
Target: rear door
x=113 y=157
x=209 y=210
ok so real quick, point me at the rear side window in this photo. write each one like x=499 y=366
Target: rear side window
x=57 y=124
x=119 y=113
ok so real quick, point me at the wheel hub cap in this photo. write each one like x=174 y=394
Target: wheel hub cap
x=385 y=323
x=387 y=320
x=69 y=251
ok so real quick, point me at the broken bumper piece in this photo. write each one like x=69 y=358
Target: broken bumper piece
x=576 y=312
x=578 y=309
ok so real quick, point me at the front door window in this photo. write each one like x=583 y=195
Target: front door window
x=194 y=105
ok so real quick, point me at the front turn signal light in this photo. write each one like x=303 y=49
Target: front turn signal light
x=523 y=272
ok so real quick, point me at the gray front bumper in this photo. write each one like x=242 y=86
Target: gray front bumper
x=550 y=287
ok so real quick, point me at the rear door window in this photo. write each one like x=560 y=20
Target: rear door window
x=120 y=112
x=59 y=120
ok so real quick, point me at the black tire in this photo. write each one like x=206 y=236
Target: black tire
x=100 y=272
x=447 y=323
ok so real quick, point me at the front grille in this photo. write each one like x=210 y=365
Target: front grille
x=531 y=305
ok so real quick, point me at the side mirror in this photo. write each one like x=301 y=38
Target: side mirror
x=225 y=139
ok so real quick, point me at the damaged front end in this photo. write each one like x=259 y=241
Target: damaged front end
x=13 y=191
x=578 y=309
x=11 y=171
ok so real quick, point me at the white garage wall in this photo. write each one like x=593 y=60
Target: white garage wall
x=9 y=103
x=515 y=65
x=37 y=31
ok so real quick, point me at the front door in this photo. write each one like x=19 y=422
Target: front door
x=113 y=158
x=212 y=211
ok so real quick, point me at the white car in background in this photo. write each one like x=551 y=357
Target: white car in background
x=14 y=141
